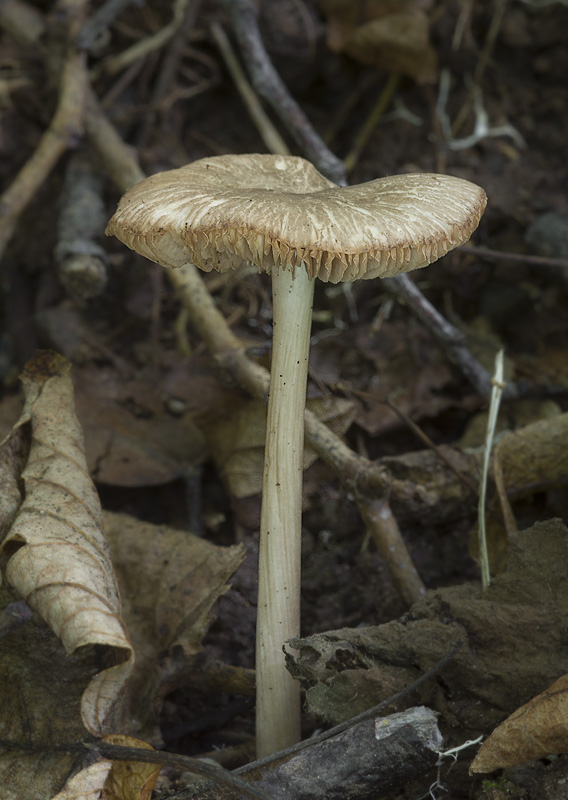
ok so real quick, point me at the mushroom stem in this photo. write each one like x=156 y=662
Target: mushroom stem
x=277 y=694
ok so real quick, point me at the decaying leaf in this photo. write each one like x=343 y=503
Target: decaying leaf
x=130 y=437
x=40 y=707
x=537 y=729
x=57 y=558
x=130 y=780
x=237 y=440
x=183 y=576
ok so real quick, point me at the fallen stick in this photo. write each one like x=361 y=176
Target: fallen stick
x=371 y=758
x=64 y=131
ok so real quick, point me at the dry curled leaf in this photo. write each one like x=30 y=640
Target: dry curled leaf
x=58 y=559
x=537 y=729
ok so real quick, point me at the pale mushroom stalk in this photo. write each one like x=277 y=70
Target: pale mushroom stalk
x=278 y=701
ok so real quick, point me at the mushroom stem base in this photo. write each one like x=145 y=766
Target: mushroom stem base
x=278 y=701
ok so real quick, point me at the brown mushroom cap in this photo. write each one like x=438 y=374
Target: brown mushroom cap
x=279 y=212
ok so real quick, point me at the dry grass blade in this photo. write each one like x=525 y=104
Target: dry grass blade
x=58 y=558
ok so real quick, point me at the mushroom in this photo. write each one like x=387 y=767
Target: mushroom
x=280 y=214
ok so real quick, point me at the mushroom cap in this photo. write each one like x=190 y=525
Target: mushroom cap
x=279 y=212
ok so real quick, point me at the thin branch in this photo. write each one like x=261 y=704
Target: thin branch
x=272 y=139
x=523 y=258
x=270 y=86
x=378 y=110
x=114 y=752
x=450 y=338
x=149 y=44
x=65 y=130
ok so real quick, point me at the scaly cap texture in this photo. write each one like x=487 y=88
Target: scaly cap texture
x=278 y=212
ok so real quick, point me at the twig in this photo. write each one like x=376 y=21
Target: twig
x=99 y=22
x=538 y=261
x=64 y=131
x=117 y=158
x=272 y=139
x=451 y=339
x=81 y=260
x=372 y=120
x=115 y=752
x=169 y=67
x=270 y=86
x=149 y=44
x=185 y=763
x=381 y=524
x=481 y=129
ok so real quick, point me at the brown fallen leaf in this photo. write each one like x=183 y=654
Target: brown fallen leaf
x=130 y=438
x=537 y=729
x=57 y=558
x=183 y=576
x=130 y=780
x=113 y=780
